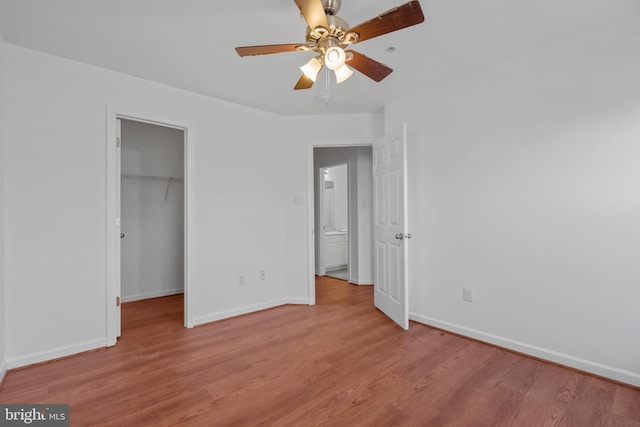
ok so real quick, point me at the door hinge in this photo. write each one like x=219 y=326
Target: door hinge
x=117 y=301
x=117 y=142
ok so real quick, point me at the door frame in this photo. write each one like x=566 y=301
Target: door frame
x=113 y=278
x=311 y=171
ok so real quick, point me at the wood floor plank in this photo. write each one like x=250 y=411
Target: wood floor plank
x=338 y=363
x=627 y=403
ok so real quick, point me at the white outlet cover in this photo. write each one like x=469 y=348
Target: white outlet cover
x=467 y=294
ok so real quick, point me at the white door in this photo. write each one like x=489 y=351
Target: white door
x=119 y=235
x=390 y=226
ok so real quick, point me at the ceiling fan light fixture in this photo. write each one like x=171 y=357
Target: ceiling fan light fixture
x=328 y=35
x=334 y=57
x=342 y=73
x=312 y=68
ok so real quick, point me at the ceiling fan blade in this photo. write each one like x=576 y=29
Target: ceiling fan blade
x=313 y=13
x=392 y=20
x=369 y=67
x=304 y=83
x=267 y=49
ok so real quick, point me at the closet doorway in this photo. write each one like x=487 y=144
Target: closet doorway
x=152 y=203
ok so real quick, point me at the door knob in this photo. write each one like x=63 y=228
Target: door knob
x=122 y=235
x=399 y=236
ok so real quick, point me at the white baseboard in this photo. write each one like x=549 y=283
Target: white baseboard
x=297 y=301
x=70 y=350
x=611 y=372
x=365 y=282
x=239 y=311
x=156 y=294
x=56 y=353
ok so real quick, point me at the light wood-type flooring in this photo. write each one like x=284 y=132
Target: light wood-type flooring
x=339 y=363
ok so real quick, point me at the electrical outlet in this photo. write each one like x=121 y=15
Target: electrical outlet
x=467 y=294
x=241 y=281
x=263 y=275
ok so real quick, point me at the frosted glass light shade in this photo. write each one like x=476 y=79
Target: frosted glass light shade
x=343 y=73
x=312 y=68
x=334 y=57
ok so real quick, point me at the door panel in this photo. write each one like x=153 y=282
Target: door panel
x=381 y=265
x=395 y=202
x=390 y=223
x=395 y=277
x=380 y=214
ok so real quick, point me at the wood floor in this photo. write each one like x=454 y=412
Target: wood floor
x=339 y=363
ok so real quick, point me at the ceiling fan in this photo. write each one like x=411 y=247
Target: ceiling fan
x=328 y=35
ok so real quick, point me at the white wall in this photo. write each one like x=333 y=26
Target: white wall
x=152 y=217
x=524 y=186
x=2 y=264
x=365 y=214
x=245 y=215
x=361 y=191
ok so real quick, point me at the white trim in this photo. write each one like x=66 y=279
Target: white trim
x=297 y=301
x=189 y=141
x=56 y=353
x=111 y=291
x=320 y=269
x=311 y=250
x=311 y=241
x=611 y=372
x=363 y=282
x=3 y=372
x=112 y=114
x=200 y=320
x=156 y=294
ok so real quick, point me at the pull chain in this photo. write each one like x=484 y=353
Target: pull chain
x=327 y=88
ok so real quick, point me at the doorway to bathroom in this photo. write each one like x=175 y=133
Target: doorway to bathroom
x=378 y=236
x=343 y=213
x=335 y=220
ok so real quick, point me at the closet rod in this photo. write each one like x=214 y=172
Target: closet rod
x=151 y=178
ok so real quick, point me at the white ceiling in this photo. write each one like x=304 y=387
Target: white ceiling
x=190 y=44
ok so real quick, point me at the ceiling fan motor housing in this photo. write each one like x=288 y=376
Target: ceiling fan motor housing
x=331 y=7
x=334 y=35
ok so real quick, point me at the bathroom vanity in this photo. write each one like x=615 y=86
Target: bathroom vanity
x=336 y=249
